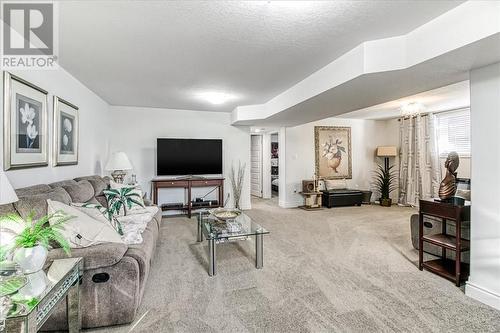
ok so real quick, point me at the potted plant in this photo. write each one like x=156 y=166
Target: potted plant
x=32 y=242
x=384 y=183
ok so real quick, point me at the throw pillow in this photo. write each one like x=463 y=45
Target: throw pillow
x=99 y=213
x=82 y=230
x=124 y=200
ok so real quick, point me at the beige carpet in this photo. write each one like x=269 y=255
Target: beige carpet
x=336 y=270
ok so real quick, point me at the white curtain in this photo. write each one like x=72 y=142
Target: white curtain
x=419 y=170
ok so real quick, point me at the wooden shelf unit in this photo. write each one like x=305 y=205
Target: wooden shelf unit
x=453 y=270
x=188 y=184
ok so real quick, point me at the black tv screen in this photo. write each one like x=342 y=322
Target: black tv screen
x=188 y=157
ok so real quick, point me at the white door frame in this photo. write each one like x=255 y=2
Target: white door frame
x=256 y=187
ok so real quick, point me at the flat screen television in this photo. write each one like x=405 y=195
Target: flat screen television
x=188 y=157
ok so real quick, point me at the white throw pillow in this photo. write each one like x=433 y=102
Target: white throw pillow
x=99 y=213
x=83 y=230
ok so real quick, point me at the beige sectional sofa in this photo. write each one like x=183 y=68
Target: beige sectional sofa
x=114 y=274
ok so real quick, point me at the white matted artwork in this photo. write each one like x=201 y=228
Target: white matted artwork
x=333 y=152
x=25 y=124
x=66 y=125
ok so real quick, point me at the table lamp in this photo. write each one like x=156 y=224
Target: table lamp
x=386 y=152
x=118 y=164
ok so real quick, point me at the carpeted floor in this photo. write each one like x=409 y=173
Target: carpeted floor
x=336 y=270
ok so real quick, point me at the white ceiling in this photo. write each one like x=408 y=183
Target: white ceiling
x=164 y=54
x=451 y=97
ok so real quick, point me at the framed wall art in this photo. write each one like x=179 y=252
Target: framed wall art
x=25 y=124
x=66 y=125
x=333 y=152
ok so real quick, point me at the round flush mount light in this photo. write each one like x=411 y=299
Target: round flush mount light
x=215 y=97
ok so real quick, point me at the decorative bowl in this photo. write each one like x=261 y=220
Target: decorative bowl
x=225 y=214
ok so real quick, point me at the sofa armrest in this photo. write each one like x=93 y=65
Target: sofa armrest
x=96 y=256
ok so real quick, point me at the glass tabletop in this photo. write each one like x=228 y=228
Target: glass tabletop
x=241 y=226
x=40 y=284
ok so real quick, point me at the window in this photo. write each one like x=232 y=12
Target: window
x=454 y=132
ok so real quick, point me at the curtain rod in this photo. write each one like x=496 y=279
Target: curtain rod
x=436 y=112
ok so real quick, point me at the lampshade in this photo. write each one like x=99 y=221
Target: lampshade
x=119 y=161
x=7 y=193
x=388 y=151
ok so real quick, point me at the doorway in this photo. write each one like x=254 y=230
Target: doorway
x=256 y=165
x=274 y=166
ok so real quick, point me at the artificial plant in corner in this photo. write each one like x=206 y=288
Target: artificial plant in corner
x=385 y=182
x=237 y=182
x=33 y=241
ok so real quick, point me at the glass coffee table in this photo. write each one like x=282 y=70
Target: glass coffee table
x=218 y=232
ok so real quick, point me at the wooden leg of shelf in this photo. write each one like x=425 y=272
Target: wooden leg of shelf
x=458 y=252
x=443 y=231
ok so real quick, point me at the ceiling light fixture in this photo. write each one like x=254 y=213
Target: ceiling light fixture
x=214 y=97
x=412 y=109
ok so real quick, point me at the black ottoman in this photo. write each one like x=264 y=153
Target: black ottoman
x=337 y=198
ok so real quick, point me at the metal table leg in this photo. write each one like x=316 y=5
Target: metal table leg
x=212 y=261
x=259 y=251
x=200 y=233
x=73 y=308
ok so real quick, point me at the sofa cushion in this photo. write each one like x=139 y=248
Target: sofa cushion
x=95 y=256
x=7 y=209
x=98 y=183
x=31 y=190
x=62 y=183
x=37 y=203
x=81 y=191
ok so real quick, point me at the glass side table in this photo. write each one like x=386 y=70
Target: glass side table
x=47 y=288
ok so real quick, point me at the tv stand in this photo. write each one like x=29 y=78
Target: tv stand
x=189 y=177
x=188 y=184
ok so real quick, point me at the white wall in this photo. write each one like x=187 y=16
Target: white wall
x=94 y=128
x=484 y=280
x=366 y=135
x=137 y=128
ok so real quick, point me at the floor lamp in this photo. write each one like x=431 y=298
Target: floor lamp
x=386 y=152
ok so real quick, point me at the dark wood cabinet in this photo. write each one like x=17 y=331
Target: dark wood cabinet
x=188 y=184
x=454 y=270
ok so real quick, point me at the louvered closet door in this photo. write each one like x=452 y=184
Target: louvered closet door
x=256 y=165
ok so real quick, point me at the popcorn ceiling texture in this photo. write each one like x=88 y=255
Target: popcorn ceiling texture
x=169 y=50
x=347 y=269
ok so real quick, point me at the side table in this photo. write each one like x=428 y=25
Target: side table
x=453 y=270
x=62 y=280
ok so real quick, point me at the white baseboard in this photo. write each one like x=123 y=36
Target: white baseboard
x=291 y=204
x=482 y=295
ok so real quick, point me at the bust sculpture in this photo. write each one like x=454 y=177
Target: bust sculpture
x=448 y=185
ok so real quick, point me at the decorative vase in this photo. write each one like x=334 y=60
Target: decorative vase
x=35 y=286
x=334 y=163
x=31 y=259
x=385 y=202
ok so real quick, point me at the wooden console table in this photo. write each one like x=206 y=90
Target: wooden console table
x=453 y=270
x=188 y=184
